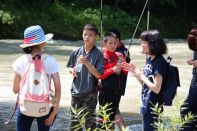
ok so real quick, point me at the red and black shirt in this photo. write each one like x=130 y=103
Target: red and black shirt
x=110 y=80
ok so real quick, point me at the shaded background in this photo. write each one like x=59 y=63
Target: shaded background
x=66 y=18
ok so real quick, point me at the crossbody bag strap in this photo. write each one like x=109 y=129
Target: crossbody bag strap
x=17 y=100
x=25 y=75
x=15 y=107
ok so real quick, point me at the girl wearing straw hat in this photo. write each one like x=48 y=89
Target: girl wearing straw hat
x=33 y=45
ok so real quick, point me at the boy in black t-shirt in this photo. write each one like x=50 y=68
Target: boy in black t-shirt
x=86 y=66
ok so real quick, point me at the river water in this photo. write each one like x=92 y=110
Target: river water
x=61 y=122
x=9 y=51
x=129 y=105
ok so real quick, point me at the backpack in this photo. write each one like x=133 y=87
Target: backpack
x=34 y=102
x=169 y=89
x=35 y=88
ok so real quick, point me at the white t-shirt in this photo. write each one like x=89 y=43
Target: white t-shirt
x=21 y=64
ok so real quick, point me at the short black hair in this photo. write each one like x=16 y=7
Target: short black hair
x=155 y=41
x=107 y=35
x=116 y=32
x=91 y=27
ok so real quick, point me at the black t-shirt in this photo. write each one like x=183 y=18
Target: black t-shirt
x=158 y=65
x=85 y=82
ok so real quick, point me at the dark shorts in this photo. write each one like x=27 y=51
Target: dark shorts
x=106 y=97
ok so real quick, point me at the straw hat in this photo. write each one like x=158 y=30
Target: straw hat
x=34 y=35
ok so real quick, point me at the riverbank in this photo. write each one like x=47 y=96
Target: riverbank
x=129 y=105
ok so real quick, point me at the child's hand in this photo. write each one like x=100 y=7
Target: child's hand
x=138 y=73
x=82 y=59
x=49 y=121
x=73 y=72
x=117 y=69
x=192 y=62
x=128 y=66
x=189 y=62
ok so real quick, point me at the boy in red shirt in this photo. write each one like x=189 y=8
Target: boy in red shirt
x=110 y=80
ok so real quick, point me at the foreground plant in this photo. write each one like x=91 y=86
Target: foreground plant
x=173 y=123
x=104 y=124
x=104 y=121
x=79 y=116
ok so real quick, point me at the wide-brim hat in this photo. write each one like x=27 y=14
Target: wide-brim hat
x=34 y=35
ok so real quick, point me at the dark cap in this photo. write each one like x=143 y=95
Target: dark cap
x=91 y=27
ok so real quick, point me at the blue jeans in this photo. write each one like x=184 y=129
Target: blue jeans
x=149 y=118
x=24 y=122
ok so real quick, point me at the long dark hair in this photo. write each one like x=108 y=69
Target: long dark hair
x=155 y=41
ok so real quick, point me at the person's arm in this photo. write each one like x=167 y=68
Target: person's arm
x=128 y=67
x=92 y=69
x=110 y=71
x=16 y=83
x=192 y=62
x=154 y=86
x=71 y=64
x=125 y=72
x=72 y=71
x=57 y=85
x=138 y=78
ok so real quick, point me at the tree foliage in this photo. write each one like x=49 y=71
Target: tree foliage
x=66 y=18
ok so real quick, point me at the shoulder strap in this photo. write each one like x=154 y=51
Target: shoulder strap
x=156 y=57
x=25 y=76
x=43 y=58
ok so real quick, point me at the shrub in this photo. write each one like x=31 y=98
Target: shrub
x=173 y=123
x=106 y=124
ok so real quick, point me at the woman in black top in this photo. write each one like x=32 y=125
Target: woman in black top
x=152 y=77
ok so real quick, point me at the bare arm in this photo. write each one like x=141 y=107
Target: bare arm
x=192 y=62
x=138 y=78
x=57 y=85
x=91 y=68
x=72 y=71
x=155 y=86
x=16 y=83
